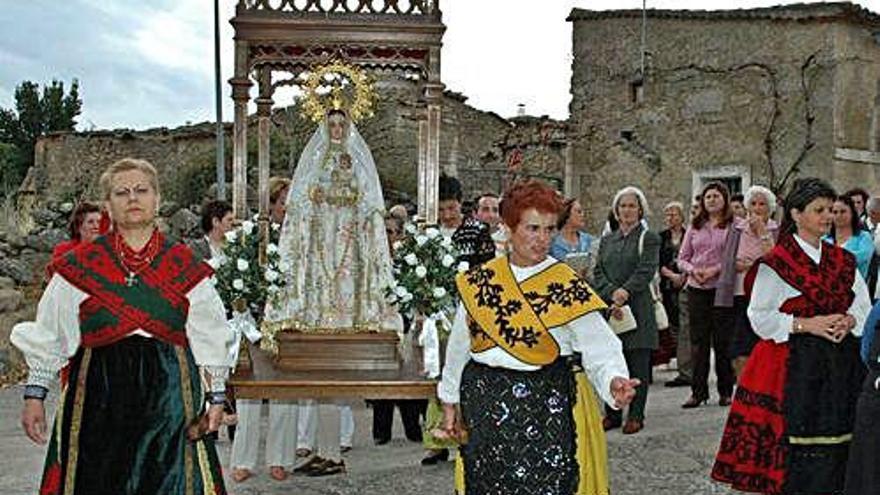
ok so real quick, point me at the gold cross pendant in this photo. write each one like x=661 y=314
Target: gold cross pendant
x=131 y=279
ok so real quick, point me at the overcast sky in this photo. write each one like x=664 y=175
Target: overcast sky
x=149 y=63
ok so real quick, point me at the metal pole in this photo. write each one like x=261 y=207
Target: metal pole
x=221 y=159
x=644 y=35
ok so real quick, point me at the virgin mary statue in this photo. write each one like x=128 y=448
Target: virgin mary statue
x=333 y=239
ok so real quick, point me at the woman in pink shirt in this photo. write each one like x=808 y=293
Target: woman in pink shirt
x=701 y=259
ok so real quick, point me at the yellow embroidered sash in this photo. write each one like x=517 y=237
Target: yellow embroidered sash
x=515 y=315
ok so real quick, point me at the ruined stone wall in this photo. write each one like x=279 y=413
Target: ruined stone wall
x=722 y=97
x=68 y=164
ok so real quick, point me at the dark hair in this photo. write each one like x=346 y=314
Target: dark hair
x=485 y=195
x=530 y=193
x=565 y=214
x=613 y=223
x=449 y=188
x=698 y=221
x=78 y=216
x=854 y=222
x=213 y=209
x=739 y=198
x=858 y=191
x=802 y=193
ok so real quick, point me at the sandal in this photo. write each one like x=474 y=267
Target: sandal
x=277 y=473
x=327 y=468
x=303 y=452
x=241 y=474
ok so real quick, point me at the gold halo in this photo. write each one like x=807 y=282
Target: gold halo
x=316 y=106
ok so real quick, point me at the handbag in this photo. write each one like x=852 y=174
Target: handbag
x=660 y=315
x=626 y=324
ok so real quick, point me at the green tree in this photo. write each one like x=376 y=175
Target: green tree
x=36 y=113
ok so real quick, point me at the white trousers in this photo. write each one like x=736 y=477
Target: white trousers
x=280 y=439
x=311 y=415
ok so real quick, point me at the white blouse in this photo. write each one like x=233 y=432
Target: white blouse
x=770 y=292
x=601 y=350
x=54 y=337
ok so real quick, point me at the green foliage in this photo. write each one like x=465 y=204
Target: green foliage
x=240 y=276
x=35 y=115
x=8 y=163
x=424 y=272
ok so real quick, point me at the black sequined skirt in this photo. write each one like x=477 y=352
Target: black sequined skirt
x=521 y=430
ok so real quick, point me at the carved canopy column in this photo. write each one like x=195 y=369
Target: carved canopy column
x=429 y=140
x=241 y=85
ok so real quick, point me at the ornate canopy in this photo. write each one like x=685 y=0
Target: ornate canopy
x=276 y=41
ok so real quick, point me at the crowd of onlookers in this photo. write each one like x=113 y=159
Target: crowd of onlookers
x=696 y=269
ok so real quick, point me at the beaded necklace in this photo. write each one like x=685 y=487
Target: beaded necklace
x=135 y=262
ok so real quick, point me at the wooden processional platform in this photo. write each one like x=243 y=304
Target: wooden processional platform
x=323 y=369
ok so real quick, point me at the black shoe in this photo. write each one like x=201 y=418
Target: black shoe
x=327 y=468
x=381 y=441
x=435 y=457
x=678 y=382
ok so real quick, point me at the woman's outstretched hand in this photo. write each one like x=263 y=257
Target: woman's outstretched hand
x=623 y=390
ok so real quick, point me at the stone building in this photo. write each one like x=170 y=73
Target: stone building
x=754 y=96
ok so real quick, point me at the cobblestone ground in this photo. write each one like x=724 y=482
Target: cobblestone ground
x=671 y=456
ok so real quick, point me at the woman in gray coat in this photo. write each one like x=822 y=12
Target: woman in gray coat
x=626 y=264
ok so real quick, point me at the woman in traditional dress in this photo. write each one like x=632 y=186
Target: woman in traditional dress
x=509 y=364
x=791 y=422
x=625 y=268
x=750 y=238
x=333 y=241
x=701 y=259
x=85 y=226
x=137 y=318
x=862 y=473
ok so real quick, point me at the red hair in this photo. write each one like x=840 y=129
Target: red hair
x=530 y=193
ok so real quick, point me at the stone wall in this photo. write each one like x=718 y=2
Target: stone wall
x=759 y=98
x=67 y=165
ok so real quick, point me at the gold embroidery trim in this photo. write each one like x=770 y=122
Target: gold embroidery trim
x=835 y=440
x=545 y=349
x=205 y=467
x=189 y=414
x=76 y=422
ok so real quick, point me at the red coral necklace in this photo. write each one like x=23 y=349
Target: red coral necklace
x=135 y=262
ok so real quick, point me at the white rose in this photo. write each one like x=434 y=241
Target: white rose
x=421 y=271
x=392 y=298
x=432 y=233
x=439 y=292
x=463 y=266
x=230 y=236
x=400 y=291
x=407 y=297
x=447 y=260
x=421 y=240
x=446 y=242
x=238 y=284
x=410 y=228
x=276 y=226
x=272 y=248
x=397 y=245
x=411 y=259
x=271 y=276
x=272 y=289
x=247 y=226
x=242 y=265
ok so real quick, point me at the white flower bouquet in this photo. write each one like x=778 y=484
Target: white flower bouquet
x=240 y=277
x=424 y=272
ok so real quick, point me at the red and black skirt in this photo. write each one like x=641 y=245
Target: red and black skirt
x=791 y=422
